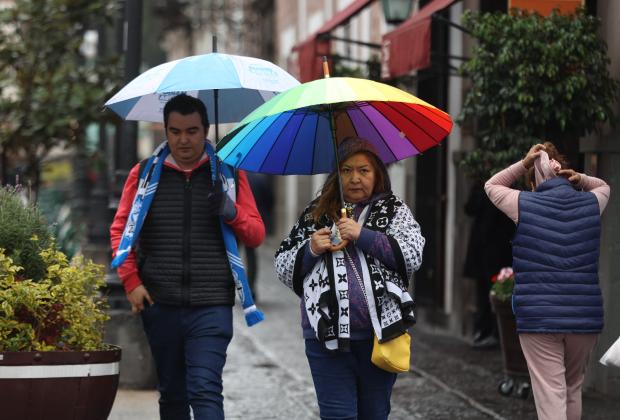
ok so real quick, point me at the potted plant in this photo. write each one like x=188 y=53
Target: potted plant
x=53 y=362
x=515 y=367
x=503 y=285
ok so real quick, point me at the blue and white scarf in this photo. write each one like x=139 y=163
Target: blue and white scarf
x=147 y=186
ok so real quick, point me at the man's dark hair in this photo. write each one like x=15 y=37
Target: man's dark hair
x=185 y=105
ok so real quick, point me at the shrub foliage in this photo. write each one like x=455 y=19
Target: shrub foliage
x=58 y=305
x=23 y=234
x=533 y=78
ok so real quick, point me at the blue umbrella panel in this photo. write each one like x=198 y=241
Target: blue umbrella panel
x=293 y=142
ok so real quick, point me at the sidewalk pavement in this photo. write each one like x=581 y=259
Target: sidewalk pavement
x=474 y=376
x=267 y=375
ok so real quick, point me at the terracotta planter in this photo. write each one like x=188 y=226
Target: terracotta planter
x=515 y=366
x=58 y=385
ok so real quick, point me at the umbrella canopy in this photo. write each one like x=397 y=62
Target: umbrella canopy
x=240 y=83
x=294 y=132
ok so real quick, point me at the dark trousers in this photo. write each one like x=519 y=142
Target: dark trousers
x=485 y=323
x=189 y=347
x=348 y=385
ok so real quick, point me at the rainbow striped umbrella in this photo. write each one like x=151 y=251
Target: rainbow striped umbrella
x=297 y=131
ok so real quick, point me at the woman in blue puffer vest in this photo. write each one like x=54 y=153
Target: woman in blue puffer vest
x=557 y=300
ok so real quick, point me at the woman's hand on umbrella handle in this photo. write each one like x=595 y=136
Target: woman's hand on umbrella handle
x=349 y=229
x=320 y=241
x=343 y=242
x=532 y=155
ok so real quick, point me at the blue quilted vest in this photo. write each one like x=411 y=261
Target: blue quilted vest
x=555 y=260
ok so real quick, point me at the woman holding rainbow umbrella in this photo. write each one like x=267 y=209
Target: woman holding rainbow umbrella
x=354 y=249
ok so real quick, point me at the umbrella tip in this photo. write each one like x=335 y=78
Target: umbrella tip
x=325 y=67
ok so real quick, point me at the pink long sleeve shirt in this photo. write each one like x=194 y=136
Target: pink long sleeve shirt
x=507 y=199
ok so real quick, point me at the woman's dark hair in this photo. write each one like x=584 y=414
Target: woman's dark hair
x=329 y=200
x=553 y=153
x=185 y=105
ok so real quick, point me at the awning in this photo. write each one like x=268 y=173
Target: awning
x=313 y=48
x=408 y=47
x=545 y=7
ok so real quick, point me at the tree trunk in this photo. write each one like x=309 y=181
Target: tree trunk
x=3 y=168
x=32 y=179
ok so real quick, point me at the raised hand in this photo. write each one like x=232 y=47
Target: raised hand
x=532 y=155
x=573 y=176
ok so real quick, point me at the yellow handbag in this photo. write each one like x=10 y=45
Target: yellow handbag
x=392 y=355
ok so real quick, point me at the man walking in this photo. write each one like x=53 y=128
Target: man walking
x=177 y=274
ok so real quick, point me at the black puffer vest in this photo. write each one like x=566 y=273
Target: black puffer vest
x=181 y=254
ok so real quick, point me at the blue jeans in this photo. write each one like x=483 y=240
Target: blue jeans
x=348 y=385
x=189 y=347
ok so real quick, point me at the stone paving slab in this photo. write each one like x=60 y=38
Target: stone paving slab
x=256 y=387
x=475 y=374
x=135 y=405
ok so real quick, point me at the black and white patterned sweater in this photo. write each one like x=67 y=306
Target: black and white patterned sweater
x=324 y=289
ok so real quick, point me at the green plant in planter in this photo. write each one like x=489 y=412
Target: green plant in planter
x=62 y=309
x=533 y=78
x=23 y=233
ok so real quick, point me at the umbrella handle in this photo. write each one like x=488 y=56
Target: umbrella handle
x=338 y=247
x=344 y=242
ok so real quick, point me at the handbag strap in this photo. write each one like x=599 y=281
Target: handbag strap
x=357 y=275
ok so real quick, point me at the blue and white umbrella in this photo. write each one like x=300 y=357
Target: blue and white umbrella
x=241 y=84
